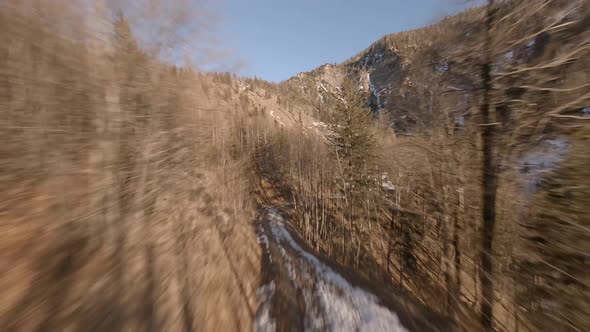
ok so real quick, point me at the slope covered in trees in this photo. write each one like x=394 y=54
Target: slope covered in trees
x=116 y=173
x=448 y=163
x=474 y=101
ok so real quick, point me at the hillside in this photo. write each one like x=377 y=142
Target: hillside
x=436 y=181
x=398 y=68
x=483 y=119
x=401 y=73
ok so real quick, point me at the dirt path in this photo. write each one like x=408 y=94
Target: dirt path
x=301 y=292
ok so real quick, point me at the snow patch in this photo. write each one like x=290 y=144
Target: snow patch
x=344 y=307
x=442 y=67
x=319 y=124
x=277 y=118
x=377 y=93
x=531 y=43
x=509 y=55
x=263 y=321
x=537 y=162
x=388 y=185
x=263 y=239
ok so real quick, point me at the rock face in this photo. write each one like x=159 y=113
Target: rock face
x=397 y=72
x=375 y=71
x=316 y=84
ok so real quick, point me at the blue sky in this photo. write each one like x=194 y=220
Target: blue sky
x=277 y=39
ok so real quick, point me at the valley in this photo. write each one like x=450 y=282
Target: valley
x=435 y=181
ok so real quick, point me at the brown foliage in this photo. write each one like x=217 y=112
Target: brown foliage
x=116 y=178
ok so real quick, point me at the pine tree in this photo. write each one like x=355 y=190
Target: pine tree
x=352 y=138
x=354 y=146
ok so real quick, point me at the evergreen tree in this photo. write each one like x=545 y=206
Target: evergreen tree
x=354 y=146
x=352 y=137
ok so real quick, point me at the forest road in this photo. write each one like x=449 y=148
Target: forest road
x=301 y=292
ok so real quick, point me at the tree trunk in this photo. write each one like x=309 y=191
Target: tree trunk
x=445 y=245
x=489 y=181
x=456 y=245
x=456 y=240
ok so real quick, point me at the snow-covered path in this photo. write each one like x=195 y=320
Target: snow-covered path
x=316 y=297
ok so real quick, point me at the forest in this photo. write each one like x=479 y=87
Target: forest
x=131 y=181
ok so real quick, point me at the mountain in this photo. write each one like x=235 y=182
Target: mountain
x=399 y=71
x=516 y=75
x=406 y=75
